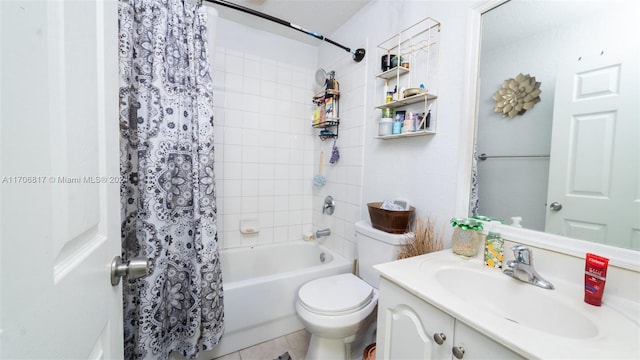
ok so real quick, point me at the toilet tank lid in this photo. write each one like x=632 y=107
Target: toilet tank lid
x=364 y=227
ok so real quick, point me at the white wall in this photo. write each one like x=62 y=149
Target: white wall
x=264 y=153
x=422 y=169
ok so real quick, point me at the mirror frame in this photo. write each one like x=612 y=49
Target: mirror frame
x=624 y=258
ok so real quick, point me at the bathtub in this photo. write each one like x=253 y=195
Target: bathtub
x=260 y=288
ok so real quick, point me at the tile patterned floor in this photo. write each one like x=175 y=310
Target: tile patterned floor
x=295 y=343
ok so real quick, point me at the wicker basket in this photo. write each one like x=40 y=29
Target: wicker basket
x=395 y=222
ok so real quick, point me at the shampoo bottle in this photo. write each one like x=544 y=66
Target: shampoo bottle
x=385 y=91
x=493 y=245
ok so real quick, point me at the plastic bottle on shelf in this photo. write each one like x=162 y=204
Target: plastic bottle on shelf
x=427 y=121
x=385 y=91
x=397 y=126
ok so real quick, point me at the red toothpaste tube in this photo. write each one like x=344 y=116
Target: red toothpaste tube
x=595 y=275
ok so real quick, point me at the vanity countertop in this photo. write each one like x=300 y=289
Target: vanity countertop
x=531 y=321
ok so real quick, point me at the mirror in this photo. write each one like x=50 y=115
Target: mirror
x=569 y=165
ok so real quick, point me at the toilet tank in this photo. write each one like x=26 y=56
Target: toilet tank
x=375 y=247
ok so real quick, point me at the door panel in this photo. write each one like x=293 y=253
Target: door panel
x=59 y=172
x=595 y=157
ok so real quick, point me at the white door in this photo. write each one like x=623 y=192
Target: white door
x=595 y=156
x=59 y=193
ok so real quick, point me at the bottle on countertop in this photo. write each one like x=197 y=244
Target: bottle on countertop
x=515 y=221
x=493 y=246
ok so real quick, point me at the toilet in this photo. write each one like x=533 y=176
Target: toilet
x=340 y=311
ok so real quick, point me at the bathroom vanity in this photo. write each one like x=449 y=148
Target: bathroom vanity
x=439 y=306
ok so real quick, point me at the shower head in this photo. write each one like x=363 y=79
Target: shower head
x=358 y=55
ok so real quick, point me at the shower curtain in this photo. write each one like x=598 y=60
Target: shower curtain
x=168 y=202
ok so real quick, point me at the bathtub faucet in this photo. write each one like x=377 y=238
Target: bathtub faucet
x=323 y=232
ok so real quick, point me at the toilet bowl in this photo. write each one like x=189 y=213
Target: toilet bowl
x=334 y=321
x=340 y=311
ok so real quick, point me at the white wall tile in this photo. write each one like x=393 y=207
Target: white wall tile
x=284 y=73
x=232 y=136
x=233 y=82
x=281 y=171
x=251 y=85
x=252 y=66
x=232 y=170
x=263 y=155
x=267 y=156
x=281 y=234
x=250 y=154
x=280 y=218
x=234 y=62
x=232 y=205
x=266 y=187
x=268 y=88
x=251 y=102
x=249 y=204
x=250 y=189
x=232 y=188
x=266 y=219
x=251 y=121
x=265 y=204
x=268 y=70
x=233 y=100
x=265 y=236
x=232 y=153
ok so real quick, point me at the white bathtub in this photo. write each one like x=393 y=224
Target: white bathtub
x=260 y=288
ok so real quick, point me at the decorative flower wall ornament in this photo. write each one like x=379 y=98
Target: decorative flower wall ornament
x=517 y=95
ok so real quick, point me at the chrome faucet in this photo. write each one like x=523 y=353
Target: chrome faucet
x=522 y=268
x=323 y=232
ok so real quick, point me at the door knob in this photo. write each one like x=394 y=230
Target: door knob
x=132 y=269
x=555 y=206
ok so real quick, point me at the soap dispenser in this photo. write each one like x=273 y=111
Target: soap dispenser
x=515 y=221
x=493 y=246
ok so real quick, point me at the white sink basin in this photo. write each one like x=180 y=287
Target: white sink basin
x=532 y=321
x=525 y=304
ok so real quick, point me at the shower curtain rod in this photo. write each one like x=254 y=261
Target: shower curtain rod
x=358 y=54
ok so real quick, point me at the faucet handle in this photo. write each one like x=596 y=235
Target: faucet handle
x=522 y=254
x=329 y=205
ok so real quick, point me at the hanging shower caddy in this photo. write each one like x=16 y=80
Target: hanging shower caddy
x=326 y=115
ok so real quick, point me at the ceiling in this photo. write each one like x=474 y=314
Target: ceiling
x=320 y=16
x=518 y=19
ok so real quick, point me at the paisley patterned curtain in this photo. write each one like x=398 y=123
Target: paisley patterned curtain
x=169 y=201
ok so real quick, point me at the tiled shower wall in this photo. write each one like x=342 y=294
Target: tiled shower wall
x=264 y=147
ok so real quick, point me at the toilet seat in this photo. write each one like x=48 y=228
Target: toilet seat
x=335 y=295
